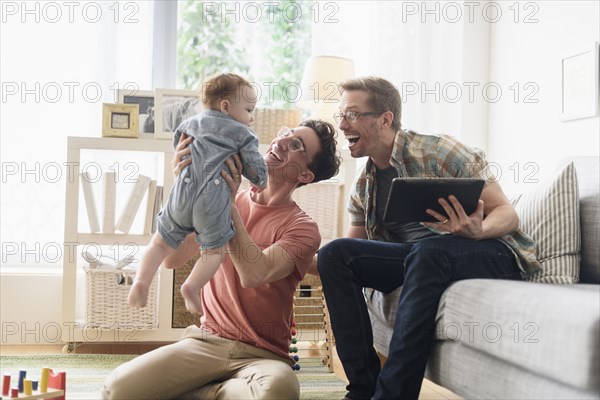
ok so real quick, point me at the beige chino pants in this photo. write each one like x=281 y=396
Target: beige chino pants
x=204 y=366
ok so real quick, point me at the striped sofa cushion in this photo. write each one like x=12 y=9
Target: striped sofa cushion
x=550 y=215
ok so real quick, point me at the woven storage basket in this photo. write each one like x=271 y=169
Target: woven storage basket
x=182 y=318
x=107 y=306
x=267 y=122
x=321 y=201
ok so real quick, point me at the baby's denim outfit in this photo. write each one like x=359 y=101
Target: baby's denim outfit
x=200 y=199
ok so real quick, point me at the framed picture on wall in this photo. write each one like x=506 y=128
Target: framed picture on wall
x=579 y=81
x=172 y=107
x=120 y=120
x=145 y=100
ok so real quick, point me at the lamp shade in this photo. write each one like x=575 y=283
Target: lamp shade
x=320 y=82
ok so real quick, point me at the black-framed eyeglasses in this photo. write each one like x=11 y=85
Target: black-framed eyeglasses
x=295 y=144
x=352 y=116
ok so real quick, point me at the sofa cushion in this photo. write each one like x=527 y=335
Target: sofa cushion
x=472 y=374
x=550 y=329
x=588 y=178
x=382 y=311
x=550 y=215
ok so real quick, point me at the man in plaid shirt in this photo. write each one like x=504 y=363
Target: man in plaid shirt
x=424 y=258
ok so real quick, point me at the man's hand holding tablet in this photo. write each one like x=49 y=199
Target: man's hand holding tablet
x=433 y=199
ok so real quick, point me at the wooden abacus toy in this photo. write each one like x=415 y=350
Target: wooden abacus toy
x=51 y=386
x=293 y=348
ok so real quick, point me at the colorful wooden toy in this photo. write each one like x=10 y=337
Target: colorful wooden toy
x=27 y=389
x=294 y=349
x=22 y=375
x=5 y=385
x=52 y=386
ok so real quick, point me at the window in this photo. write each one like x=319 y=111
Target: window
x=60 y=61
x=267 y=43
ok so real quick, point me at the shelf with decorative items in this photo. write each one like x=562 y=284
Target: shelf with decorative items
x=138 y=173
x=324 y=202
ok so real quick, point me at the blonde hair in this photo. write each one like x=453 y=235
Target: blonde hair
x=223 y=87
x=383 y=96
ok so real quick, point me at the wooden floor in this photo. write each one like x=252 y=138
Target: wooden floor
x=429 y=390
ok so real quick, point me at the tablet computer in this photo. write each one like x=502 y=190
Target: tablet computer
x=410 y=197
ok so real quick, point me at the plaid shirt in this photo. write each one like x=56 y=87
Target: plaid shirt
x=416 y=155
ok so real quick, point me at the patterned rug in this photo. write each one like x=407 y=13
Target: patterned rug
x=86 y=373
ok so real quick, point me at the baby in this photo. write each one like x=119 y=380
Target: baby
x=200 y=199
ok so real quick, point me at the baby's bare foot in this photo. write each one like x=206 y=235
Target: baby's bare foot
x=191 y=295
x=138 y=294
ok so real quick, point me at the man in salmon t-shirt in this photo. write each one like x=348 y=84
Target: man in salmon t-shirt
x=240 y=351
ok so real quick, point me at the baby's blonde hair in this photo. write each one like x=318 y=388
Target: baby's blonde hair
x=223 y=87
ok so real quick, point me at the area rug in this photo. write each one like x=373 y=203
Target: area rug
x=86 y=373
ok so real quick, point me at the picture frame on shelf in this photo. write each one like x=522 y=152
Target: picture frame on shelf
x=120 y=120
x=579 y=83
x=172 y=107
x=145 y=99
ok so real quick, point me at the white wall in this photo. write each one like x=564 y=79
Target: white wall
x=522 y=132
x=31 y=308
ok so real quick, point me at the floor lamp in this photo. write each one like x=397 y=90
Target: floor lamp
x=320 y=85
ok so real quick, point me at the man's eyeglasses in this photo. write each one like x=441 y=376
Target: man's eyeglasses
x=295 y=144
x=352 y=116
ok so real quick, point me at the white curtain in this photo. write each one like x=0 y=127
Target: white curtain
x=427 y=49
x=59 y=62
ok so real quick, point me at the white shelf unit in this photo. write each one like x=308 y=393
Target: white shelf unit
x=77 y=331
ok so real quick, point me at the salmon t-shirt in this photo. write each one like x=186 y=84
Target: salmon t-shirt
x=261 y=316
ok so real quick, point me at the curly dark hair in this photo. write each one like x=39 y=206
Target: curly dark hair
x=326 y=163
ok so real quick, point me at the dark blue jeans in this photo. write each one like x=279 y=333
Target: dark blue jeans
x=425 y=269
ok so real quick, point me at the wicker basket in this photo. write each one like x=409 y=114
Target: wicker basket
x=321 y=201
x=267 y=122
x=107 y=308
x=182 y=318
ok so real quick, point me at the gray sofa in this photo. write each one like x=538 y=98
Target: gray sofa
x=489 y=346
